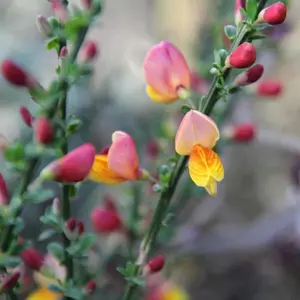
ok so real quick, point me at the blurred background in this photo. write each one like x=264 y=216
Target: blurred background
x=243 y=244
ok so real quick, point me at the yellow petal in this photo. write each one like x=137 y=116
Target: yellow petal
x=155 y=96
x=174 y=293
x=205 y=168
x=195 y=129
x=211 y=187
x=44 y=294
x=101 y=173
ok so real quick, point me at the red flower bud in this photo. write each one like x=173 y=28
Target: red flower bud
x=242 y=132
x=88 y=52
x=237 y=10
x=80 y=227
x=73 y=167
x=71 y=224
x=156 y=264
x=243 y=56
x=43 y=130
x=250 y=76
x=59 y=10
x=152 y=148
x=14 y=74
x=105 y=221
x=269 y=88
x=26 y=116
x=9 y=281
x=32 y=258
x=63 y=52
x=90 y=287
x=274 y=14
x=86 y=4
x=4 y=195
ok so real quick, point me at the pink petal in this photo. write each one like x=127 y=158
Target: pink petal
x=122 y=156
x=195 y=129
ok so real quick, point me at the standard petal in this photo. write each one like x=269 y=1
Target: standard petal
x=214 y=164
x=195 y=128
x=122 y=156
x=157 y=97
x=198 y=168
x=101 y=173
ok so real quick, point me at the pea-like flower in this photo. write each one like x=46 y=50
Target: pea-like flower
x=119 y=164
x=196 y=136
x=167 y=73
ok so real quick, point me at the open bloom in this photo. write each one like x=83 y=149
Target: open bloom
x=196 y=136
x=119 y=164
x=167 y=73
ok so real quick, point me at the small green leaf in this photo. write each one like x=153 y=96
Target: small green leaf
x=56 y=288
x=251 y=8
x=38 y=195
x=75 y=24
x=84 y=243
x=136 y=280
x=230 y=31
x=157 y=188
x=73 y=292
x=185 y=109
x=45 y=235
x=73 y=125
x=18 y=225
x=258 y=36
x=9 y=261
x=217 y=58
x=16 y=248
x=53 y=43
x=56 y=250
x=222 y=56
x=14 y=152
x=50 y=219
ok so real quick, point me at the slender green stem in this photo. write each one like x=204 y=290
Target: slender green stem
x=166 y=196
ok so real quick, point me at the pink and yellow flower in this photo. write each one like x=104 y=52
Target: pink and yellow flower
x=119 y=164
x=196 y=136
x=167 y=73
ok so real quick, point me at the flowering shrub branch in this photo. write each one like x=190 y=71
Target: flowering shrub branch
x=168 y=78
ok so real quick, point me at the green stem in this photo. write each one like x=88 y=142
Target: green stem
x=166 y=196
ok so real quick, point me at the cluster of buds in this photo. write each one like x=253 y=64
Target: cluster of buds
x=73 y=229
x=32 y=258
x=106 y=218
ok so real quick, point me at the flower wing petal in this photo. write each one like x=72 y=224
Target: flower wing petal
x=157 y=97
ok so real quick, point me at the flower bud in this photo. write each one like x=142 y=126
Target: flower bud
x=237 y=11
x=88 y=52
x=250 y=76
x=243 y=56
x=60 y=11
x=269 y=88
x=13 y=73
x=9 y=281
x=80 y=227
x=244 y=132
x=152 y=148
x=109 y=202
x=44 y=26
x=155 y=265
x=71 y=224
x=26 y=116
x=90 y=287
x=63 y=52
x=73 y=167
x=86 y=4
x=43 y=130
x=105 y=221
x=32 y=258
x=4 y=195
x=274 y=14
